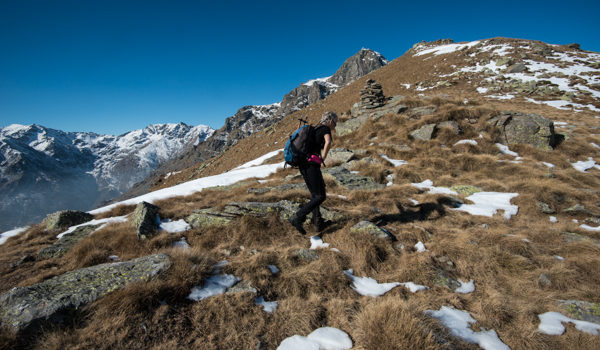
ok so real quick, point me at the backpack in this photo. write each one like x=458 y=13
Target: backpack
x=298 y=145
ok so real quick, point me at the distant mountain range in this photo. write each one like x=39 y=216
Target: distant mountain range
x=44 y=170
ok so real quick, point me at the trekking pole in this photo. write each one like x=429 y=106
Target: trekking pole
x=301 y=122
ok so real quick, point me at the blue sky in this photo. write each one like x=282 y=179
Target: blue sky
x=115 y=66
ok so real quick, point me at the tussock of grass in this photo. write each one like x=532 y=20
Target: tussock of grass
x=376 y=326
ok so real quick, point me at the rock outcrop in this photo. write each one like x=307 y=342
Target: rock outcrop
x=65 y=218
x=50 y=300
x=284 y=209
x=145 y=219
x=372 y=229
x=521 y=128
x=424 y=133
x=66 y=242
x=351 y=181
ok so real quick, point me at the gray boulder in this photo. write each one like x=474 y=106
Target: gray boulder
x=516 y=68
x=285 y=209
x=242 y=287
x=351 y=181
x=418 y=112
x=444 y=278
x=452 y=125
x=372 y=229
x=340 y=155
x=307 y=254
x=581 y=310
x=520 y=128
x=52 y=299
x=351 y=125
x=66 y=218
x=282 y=188
x=572 y=237
x=424 y=133
x=145 y=219
x=66 y=242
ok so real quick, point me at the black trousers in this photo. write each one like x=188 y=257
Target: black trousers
x=314 y=181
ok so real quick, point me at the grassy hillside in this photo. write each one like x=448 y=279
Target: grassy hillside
x=521 y=267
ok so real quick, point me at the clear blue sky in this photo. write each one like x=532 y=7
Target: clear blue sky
x=114 y=66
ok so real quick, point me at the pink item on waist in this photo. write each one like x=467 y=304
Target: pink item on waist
x=315 y=159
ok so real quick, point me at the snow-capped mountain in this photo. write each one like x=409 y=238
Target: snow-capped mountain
x=43 y=170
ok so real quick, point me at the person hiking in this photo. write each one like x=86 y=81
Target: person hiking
x=311 y=172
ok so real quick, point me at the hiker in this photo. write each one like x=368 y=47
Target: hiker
x=311 y=172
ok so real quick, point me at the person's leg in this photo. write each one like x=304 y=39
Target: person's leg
x=314 y=181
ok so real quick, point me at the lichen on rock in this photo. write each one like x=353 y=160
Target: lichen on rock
x=48 y=300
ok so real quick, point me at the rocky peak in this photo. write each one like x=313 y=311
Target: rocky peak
x=362 y=63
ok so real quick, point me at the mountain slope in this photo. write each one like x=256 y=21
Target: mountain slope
x=453 y=241
x=476 y=71
x=251 y=119
x=44 y=170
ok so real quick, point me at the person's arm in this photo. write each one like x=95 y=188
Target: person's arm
x=328 y=142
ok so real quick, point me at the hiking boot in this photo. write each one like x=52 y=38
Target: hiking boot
x=294 y=221
x=321 y=225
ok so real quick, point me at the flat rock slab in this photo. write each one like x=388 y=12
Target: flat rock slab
x=51 y=299
x=65 y=218
x=581 y=310
x=424 y=133
x=66 y=242
x=351 y=181
x=282 y=188
x=372 y=229
x=284 y=209
x=340 y=155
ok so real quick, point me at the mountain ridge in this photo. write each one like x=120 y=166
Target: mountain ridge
x=41 y=167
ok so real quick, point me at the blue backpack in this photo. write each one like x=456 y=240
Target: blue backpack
x=298 y=145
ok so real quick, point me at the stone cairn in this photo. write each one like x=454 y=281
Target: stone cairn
x=372 y=95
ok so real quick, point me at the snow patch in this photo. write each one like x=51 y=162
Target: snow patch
x=268 y=306
x=465 y=287
x=468 y=142
x=444 y=49
x=102 y=222
x=174 y=226
x=214 y=285
x=14 y=232
x=458 y=322
x=584 y=165
x=327 y=338
x=316 y=243
x=394 y=162
x=590 y=228
x=428 y=185
x=551 y=323
x=368 y=286
x=488 y=203
x=413 y=287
